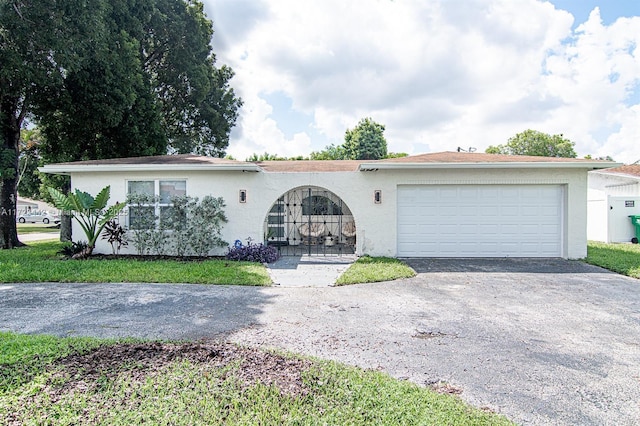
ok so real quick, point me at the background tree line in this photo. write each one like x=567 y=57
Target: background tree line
x=365 y=141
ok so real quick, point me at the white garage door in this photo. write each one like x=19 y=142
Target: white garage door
x=480 y=220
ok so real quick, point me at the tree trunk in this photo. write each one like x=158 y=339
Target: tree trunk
x=65 y=218
x=10 y=129
x=8 y=204
x=65 y=227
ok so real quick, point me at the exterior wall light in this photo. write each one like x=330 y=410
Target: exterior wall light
x=377 y=196
x=243 y=196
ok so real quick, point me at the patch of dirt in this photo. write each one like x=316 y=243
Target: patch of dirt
x=428 y=334
x=444 y=388
x=140 y=360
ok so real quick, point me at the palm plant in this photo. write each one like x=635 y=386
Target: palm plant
x=91 y=213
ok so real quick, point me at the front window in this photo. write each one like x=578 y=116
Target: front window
x=172 y=188
x=150 y=200
x=141 y=187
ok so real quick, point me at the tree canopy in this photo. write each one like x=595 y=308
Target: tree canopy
x=29 y=160
x=108 y=79
x=533 y=142
x=330 y=152
x=273 y=157
x=365 y=141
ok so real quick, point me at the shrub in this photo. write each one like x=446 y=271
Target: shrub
x=90 y=212
x=116 y=235
x=196 y=225
x=142 y=221
x=73 y=249
x=252 y=252
x=187 y=227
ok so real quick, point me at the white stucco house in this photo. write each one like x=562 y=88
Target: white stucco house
x=614 y=195
x=447 y=204
x=26 y=205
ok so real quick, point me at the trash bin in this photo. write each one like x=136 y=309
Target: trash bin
x=635 y=219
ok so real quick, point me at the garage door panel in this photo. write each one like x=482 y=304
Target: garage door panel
x=480 y=220
x=470 y=193
x=467 y=229
x=449 y=210
x=548 y=211
x=510 y=228
x=550 y=229
x=509 y=211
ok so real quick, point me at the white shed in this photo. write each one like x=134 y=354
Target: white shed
x=614 y=195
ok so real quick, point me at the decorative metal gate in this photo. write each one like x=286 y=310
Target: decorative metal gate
x=310 y=220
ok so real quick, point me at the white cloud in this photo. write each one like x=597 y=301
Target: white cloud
x=437 y=75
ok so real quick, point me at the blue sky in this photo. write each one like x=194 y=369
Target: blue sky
x=437 y=73
x=610 y=10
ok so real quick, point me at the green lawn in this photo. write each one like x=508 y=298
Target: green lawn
x=374 y=269
x=39 y=262
x=621 y=258
x=48 y=380
x=30 y=228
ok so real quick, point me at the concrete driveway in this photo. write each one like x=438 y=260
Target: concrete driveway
x=542 y=341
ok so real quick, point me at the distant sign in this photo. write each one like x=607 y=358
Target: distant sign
x=630 y=203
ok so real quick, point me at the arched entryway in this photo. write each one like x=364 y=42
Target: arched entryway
x=310 y=220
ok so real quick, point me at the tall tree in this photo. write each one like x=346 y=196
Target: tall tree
x=38 y=45
x=109 y=79
x=197 y=105
x=150 y=87
x=365 y=141
x=533 y=142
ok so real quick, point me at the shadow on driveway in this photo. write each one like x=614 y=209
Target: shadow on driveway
x=157 y=311
x=511 y=265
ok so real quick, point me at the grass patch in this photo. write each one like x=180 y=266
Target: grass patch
x=205 y=383
x=39 y=262
x=30 y=228
x=621 y=258
x=374 y=269
x=25 y=357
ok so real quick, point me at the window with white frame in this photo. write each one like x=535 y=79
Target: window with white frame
x=156 y=195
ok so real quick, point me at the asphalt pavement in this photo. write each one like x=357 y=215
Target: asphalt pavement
x=544 y=341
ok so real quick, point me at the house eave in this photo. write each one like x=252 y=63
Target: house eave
x=501 y=165
x=620 y=176
x=66 y=169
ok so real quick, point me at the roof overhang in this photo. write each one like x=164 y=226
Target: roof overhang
x=66 y=169
x=365 y=167
x=617 y=175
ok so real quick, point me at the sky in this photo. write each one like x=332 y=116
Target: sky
x=438 y=74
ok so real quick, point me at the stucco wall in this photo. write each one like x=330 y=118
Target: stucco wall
x=604 y=224
x=376 y=223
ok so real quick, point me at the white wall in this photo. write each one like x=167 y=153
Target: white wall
x=608 y=219
x=376 y=223
x=597 y=221
x=620 y=228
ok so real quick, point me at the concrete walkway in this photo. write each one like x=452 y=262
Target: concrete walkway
x=309 y=271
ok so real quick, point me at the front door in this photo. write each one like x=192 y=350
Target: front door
x=309 y=220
